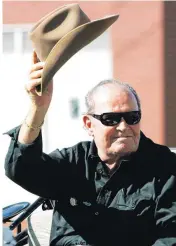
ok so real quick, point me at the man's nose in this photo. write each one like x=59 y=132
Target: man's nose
x=122 y=125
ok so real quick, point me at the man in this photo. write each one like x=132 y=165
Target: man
x=119 y=189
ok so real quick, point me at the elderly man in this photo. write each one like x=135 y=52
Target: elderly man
x=119 y=189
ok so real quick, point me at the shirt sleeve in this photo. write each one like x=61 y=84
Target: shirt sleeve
x=165 y=213
x=49 y=176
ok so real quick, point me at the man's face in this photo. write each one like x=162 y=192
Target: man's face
x=121 y=139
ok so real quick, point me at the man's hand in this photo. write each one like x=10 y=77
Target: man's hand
x=30 y=128
x=38 y=102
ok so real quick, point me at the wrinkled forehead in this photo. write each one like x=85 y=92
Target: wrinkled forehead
x=114 y=98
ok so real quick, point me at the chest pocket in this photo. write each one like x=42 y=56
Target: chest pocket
x=137 y=201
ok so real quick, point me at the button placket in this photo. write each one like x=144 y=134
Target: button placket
x=104 y=192
x=104 y=196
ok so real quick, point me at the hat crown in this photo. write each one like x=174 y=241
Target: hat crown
x=54 y=26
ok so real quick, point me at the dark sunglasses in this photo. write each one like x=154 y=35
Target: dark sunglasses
x=112 y=119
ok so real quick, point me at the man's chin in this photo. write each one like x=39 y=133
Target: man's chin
x=123 y=149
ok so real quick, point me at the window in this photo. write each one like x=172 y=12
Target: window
x=8 y=42
x=16 y=39
x=27 y=44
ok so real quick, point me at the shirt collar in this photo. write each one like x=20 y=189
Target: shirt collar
x=93 y=152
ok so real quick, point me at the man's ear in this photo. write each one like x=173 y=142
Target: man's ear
x=88 y=125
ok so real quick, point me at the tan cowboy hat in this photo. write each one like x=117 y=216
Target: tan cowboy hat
x=62 y=33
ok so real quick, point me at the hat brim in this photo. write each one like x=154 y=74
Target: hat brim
x=70 y=44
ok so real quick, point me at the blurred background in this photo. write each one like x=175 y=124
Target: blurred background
x=140 y=48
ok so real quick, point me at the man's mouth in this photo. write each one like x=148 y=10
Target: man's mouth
x=122 y=138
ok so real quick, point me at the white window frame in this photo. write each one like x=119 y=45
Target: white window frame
x=17 y=30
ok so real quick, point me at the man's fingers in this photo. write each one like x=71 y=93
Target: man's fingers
x=36 y=74
x=37 y=66
x=33 y=83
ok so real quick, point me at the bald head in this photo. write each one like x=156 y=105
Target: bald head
x=108 y=89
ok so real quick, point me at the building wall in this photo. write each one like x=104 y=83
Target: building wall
x=170 y=71
x=138 y=59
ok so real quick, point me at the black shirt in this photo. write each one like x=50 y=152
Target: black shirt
x=136 y=205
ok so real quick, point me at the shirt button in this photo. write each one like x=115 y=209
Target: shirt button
x=96 y=213
x=100 y=171
x=73 y=201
